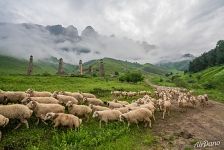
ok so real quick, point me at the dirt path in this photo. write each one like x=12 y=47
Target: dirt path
x=184 y=129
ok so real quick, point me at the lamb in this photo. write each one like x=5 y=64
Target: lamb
x=63 y=119
x=3 y=122
x=136 y=116
x=113 y=105
x=63 y=99
x=13 y=97
x=79 y=110
x=120 y=102
x=38 y=94
x=16 y=111
x=107 y=115
x=41 y=110
x=88 y=95
x=98 y=108
x=93 y=101
x=43 y=100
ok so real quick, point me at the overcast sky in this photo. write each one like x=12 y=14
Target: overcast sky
x=175 y=26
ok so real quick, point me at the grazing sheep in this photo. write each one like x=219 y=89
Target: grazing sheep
x=76 y=95
x=116 y=93
x=182 y=103
x=63 y=119
x=134 y=104
x=113 y=105
x=93 y=101
x=16 y=111
x=121 y=102
x=43 y=100
x=203 y=99
x=136 y=116
x=88 y=95
x=41 y=110
x=151 y=107
x=107 y=115
x=63 y=99
x=13 y=97
x=123 y=109
x=79 y=110
x=38 y=94
x=98 y=108
x=3 y=122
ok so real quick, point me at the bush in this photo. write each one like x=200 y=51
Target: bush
x=208 y=86
x=46 y=74
x=132 y=77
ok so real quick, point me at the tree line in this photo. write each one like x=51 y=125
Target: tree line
x=211 y=58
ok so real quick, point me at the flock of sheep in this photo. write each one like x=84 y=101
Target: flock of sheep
x=51 y=106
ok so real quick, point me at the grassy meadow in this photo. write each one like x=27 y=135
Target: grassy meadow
x=113 y=136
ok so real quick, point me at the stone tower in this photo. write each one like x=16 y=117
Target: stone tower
x=80 y=67
x=90 y=69
x=101 y=68
x=30 y=66
x=60 y=67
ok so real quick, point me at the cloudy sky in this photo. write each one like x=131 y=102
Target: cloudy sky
x=174 y=26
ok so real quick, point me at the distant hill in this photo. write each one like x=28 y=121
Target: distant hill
x=180 y=63
x=10 y=65
x=112 y=65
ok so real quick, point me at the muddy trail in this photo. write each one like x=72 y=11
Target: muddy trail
x=182 y=130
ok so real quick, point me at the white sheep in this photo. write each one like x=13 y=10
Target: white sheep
x=136 y=116
x=98 y=108
x=88 y=95
x=76 y=95
x=113 y=105
x=121 y=102
x=16 y=111
x=3 y=122
x=107 y=115
x=63 y=119
x=43 y=100
x=41 y=110
x=63 y=99
x=79 y=110
x=38 y=94
x=123 y=109
x=166 y=106
x=94 y=101
x=13 y=96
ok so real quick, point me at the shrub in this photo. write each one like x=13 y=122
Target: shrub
x=208 y=86
x=132 y=77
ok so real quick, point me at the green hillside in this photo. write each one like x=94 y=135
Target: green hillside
x=112 y=65
x=180 y=65
x=10 y=65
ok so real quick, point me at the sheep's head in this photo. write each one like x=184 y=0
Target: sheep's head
x=29 y=91
x=69 y=104
x=50 y=116
x=26 y=100
x=95 y=114
x=91 y=106
x=54 y=95
x=32 y=105
x=84 y=99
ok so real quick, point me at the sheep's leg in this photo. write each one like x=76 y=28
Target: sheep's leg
x=150 y=123
x=38 y=120
x=44 y=122
x=137 y=125
x=26 y=123
x=128 y=124
x=18 y=126
x=153 y=116
x=0 y=135
x=100 y=123
x=56 y=124
x=164 y=112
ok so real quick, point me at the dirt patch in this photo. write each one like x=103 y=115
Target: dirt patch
x=181 y=130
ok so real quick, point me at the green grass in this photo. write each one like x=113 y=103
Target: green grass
x=114 y=136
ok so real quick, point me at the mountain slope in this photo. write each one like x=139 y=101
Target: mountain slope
x=10 y=65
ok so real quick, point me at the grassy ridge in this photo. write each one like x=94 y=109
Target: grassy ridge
x=90 y=136
x=210 y=81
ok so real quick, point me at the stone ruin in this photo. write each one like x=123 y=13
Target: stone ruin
x=30 y=66
x=60 y=67
x=101 y=69
x=80 y=67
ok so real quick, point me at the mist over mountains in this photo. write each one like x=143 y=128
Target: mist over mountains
x=23 y=40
